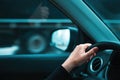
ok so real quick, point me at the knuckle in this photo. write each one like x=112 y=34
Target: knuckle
x=77 y=46
x=80 y=45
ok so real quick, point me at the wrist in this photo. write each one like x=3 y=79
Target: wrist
x=68 y=66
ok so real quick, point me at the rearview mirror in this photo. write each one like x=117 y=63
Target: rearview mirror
x=64 y=39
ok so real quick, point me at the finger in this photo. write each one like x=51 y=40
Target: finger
x=94 y=54
x=90 y=58
x=76 y=49
x=86 y=46
x=92 y=51
x=83 y=47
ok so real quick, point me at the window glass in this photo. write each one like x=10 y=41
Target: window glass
x=25 y=9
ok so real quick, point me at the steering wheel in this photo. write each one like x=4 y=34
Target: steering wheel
x=113 y=70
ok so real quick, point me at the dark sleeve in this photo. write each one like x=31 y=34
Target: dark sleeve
x=59 y=74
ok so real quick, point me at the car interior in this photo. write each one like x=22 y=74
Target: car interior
x=37 y=36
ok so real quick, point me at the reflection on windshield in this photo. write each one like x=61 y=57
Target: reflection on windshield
x=108 y=11
x=29 y=9
x=41 y=12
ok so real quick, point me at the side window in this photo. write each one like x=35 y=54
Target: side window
x=27 y=26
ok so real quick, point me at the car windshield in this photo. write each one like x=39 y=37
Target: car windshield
x=108 y=11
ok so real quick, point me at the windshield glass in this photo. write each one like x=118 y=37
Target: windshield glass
x=108 y=11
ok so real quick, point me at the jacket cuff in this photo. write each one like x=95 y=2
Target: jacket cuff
x=59 y=74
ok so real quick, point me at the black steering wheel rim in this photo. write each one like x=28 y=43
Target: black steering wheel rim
x=114 y=59
x=105 y=45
